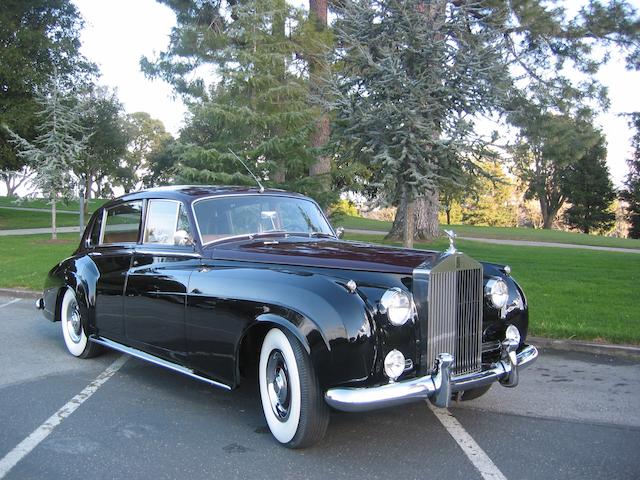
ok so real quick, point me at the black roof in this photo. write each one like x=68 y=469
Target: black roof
x=189 y=193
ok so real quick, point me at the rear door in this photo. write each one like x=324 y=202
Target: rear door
x=158 y=280
x=112 y=257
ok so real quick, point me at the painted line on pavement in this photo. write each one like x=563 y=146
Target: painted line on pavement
x=471 y=449
x=39 y=434
x=10 y=302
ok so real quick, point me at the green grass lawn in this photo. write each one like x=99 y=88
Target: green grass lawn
x=12 y=219
x=572 y=293
x=42 y=203
x=510 y=233
x=25 y=260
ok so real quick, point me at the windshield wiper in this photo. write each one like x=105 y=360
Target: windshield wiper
x=321 y=234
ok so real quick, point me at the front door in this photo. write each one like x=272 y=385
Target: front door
x=158 y=279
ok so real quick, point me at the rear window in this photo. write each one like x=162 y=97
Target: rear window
x=122 y=223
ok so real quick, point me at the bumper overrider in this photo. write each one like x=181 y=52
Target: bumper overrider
x=438 y=387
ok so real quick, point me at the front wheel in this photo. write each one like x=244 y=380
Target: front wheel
x=73 y=332
x=291 y=397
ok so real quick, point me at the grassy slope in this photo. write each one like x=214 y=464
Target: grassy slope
x=511 y=233
x=42 y=203
x=572 y=293
x=12 y=219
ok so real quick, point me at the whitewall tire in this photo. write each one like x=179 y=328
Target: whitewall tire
x=73 y=331
x=291 y=398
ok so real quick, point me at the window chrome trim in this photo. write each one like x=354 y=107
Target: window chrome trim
x=146 y=218
x=249 y=235
x=142 y=201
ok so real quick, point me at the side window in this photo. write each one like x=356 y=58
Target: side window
x=122 y=223
x=94 y=237
x=167 y=223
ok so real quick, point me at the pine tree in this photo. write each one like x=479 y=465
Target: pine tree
x=55 y=151
x=260 y=108
x=631 y=194
x=412 y=75
x=590 y=191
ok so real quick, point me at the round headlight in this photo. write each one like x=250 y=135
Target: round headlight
x=497 y=291
x=398 y=305
x=394 y=364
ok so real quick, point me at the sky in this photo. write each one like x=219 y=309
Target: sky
x=118 y=33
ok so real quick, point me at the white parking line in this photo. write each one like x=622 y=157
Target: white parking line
x=471 y=449
x=10 y=302
x=39 y=434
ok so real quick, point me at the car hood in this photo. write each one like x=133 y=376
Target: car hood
x=327 y=253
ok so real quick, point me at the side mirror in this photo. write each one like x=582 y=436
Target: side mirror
x=182 y=238
x=340 y=232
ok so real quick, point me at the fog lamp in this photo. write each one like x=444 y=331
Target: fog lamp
x=512 y=334
x=394 y=364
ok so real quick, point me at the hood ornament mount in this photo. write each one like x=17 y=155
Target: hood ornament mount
x=451 y=235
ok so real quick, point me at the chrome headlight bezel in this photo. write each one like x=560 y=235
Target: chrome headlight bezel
x=398 y=305
x=497 y=292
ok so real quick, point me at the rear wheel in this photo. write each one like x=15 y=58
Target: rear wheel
x=73 y=332
x=291 y=397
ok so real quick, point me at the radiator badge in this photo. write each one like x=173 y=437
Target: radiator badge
x=452 y=236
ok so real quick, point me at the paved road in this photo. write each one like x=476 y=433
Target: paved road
x=514 y=242
x=574 y=416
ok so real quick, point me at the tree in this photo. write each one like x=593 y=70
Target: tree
x=260 y=108
x=631 y=193
x=492 y=200
x=37 y=38
x=55 y=151
x=548 y=145
x=145 y=135
x=162 y=163
x=590 y=191
x=102 y=115
x=412 y=76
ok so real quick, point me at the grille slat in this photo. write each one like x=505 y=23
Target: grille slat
x=455 y=317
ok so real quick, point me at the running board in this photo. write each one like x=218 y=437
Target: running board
x=134 y=352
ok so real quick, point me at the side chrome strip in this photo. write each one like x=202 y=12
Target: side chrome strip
x=134 y=352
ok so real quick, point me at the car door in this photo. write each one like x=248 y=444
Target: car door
x=158 y=279
x=118 y=234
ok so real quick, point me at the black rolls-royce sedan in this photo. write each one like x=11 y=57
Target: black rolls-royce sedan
x=218 y=282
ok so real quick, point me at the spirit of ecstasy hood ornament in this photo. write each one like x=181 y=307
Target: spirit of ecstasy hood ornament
x=452 y=236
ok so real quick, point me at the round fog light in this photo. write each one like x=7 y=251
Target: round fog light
x=512 y=334
x=394 y=364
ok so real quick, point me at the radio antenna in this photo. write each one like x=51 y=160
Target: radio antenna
x=247 y=168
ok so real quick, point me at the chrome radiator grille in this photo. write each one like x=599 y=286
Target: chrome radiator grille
x=455 y=316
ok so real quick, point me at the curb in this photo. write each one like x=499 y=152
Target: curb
x=622 y=351
x=13 y=292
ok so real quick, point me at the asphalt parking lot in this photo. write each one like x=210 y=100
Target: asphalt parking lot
x=573 y=416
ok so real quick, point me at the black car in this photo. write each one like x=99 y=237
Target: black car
x=218 y=282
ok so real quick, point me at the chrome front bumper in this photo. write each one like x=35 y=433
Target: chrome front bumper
x=439 y=387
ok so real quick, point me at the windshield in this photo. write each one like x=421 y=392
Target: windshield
x=225 y=217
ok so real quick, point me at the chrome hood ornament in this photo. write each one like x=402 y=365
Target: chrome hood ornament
x=451 y=236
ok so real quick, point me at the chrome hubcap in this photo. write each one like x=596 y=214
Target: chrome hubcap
x=278 y=385
x=74 y=325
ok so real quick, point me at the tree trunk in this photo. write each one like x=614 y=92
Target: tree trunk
x=54 y=232
x=423 y=221
x=322 y=166
x=427 y=207
x=448 y=212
